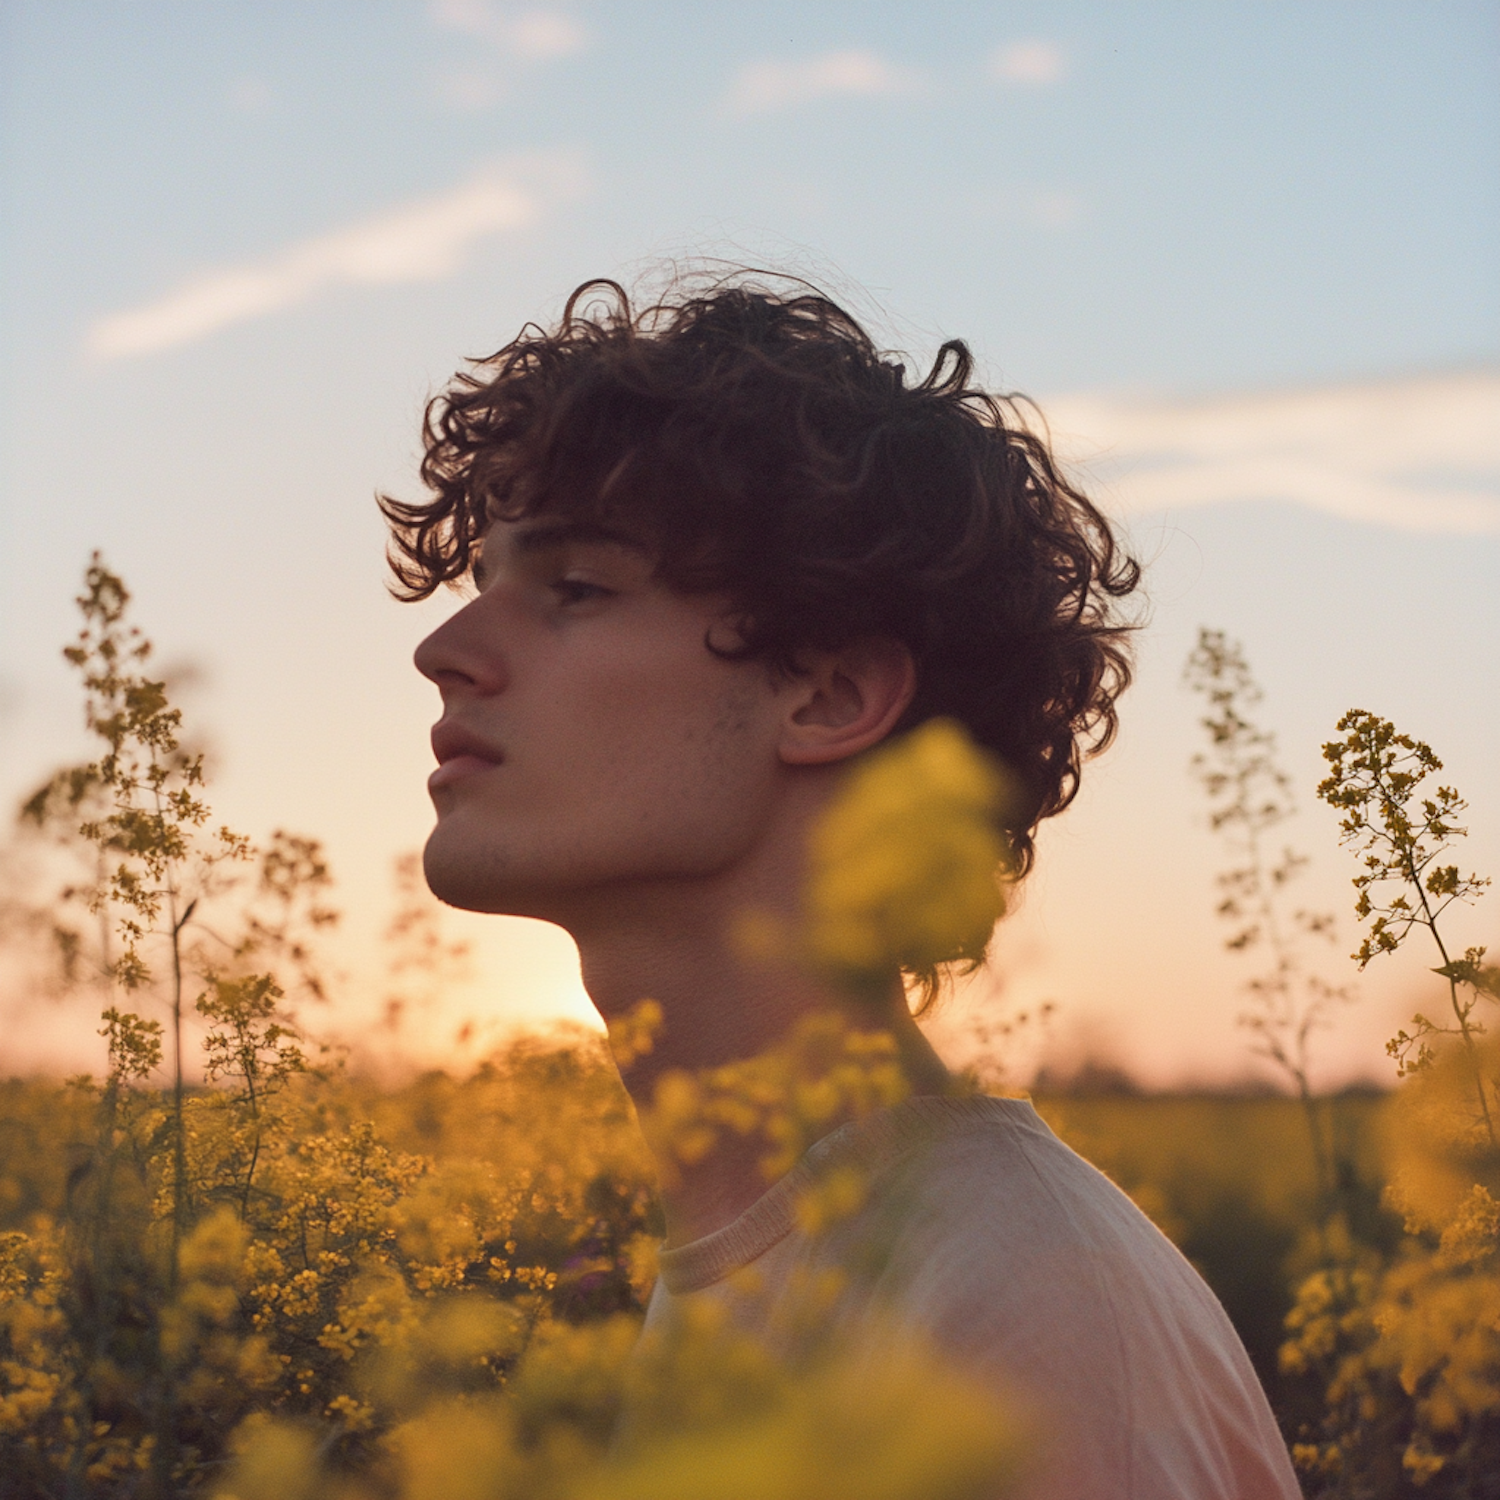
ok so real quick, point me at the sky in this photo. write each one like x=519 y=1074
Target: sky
x=1244 y=257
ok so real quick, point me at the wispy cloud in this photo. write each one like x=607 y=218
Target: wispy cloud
x=421 y=241
x=511 y=41
x=1422 y=453
x=532 y=35
x=774 y=84
x=1032 y=62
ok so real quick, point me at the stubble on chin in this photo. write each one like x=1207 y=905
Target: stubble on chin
x=459 y=876
x=477 y=874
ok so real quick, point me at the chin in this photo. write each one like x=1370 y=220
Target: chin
x=474 y=879
x=458 y=876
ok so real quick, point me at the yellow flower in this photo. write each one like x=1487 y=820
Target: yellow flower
x=906 y=863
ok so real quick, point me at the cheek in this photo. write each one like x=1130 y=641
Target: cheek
x=695 y=747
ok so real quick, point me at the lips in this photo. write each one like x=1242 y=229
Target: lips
x=461 y=754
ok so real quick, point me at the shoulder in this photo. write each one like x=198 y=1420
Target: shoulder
x=993 y=1239
x=991 y=1173
x=989 y=1218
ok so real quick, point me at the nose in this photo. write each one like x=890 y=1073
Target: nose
x=464 y=655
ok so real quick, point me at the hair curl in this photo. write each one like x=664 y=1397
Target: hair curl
x=765 y=448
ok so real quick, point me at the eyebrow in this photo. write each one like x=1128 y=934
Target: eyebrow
x=545 y=536
x=541 y=536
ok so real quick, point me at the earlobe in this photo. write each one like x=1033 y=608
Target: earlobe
x=847 y=700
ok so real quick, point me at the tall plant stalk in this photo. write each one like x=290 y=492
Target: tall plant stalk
x=139 y=805
x=1250 y=798
x=1376 y=780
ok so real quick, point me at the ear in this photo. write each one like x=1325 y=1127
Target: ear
x=845 y=701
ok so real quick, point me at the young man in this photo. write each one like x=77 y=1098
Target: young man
x=722 y=548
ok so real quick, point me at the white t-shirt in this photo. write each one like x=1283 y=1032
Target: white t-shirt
x=983 y=1233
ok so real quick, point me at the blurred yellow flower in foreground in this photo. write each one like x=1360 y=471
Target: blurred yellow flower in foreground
x=825 y=1072
x=907 y=862
x=710 y=1412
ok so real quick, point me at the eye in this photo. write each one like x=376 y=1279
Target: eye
x=577 y=591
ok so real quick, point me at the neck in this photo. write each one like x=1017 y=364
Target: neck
x=681 y=947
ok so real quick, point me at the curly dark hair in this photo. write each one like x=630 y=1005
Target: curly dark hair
x=764 y=447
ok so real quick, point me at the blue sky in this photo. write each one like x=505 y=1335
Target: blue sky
x=1246 y=254
x=1196 y=195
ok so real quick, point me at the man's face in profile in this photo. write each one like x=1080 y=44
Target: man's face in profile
x=589 y=737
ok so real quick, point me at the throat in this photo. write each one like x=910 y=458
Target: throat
x=728 y=1108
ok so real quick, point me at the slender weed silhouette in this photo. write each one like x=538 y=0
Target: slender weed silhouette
x=1250 y=799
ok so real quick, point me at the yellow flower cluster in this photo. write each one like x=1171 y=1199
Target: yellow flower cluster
x=1411 y=1347
x=907 y=862
x=784 y=1099
x=708 y=1412
x=287 y=1283
x=323 y=1288
x=376 y=1321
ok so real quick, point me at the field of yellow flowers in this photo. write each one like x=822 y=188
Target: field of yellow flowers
x=251 y=1273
